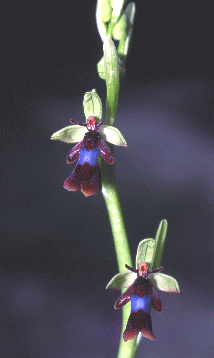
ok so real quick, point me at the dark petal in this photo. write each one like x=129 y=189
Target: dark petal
x=74 y=152
x=105 y=151
x=90 y=179
x=156 y=301
x=138 y=322
x=148 y=334
x=125 y=298
x=147 y=327
x=130 y=332
x=122 y=301
x=72 y=183
x=86 y=177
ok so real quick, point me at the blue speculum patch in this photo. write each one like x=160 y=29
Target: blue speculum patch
x=140 y=303
x=89 y=156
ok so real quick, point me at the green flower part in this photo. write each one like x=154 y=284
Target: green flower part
x=74 y=134
x=92 y=105
x=92 y=108
x=147 y=253
x=106 y=10
x=70 y=134
x=120 y=29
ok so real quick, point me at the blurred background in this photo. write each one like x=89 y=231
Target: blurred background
x=57 y=253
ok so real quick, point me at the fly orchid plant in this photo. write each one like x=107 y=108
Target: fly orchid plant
x=115 y=25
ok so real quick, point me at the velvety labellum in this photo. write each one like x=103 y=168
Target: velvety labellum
x=89 y=156
x=143 y=296
x=140 y=303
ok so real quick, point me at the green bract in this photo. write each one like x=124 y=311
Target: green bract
x=70 y=134
x=92 y=105
x=115 y=22
x=160 y=239
x=146 y=252
x=101 y=68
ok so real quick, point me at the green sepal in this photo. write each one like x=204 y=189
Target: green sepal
x=106 y=10
x=164 y=282
x=112 y=135
x=92 y=105
x=70 y=134
x=112 y=79
x=146 y=252
x=120 y=29
x=160 y=239
x=122 y=280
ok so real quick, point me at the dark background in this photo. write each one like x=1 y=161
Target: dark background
x=57 y=253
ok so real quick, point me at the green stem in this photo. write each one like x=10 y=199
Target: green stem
x=117 y=224
x=109 y=189
x=128 y=349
